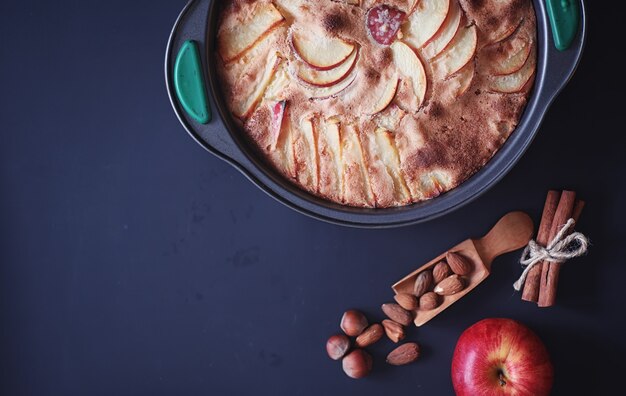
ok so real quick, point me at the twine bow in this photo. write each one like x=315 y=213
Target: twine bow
x=562 y=248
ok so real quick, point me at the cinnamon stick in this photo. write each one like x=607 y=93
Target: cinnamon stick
x=549 y=271
x=531 y=286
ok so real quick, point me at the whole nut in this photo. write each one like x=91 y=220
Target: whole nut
x=429 y=301
x=441 y=271
x=406 y=301
x=353 y=323
x=357 y=364
x=404 y=354
x=370 y=336
x=423 y=283
x=459 y=264
x=337 y=346
x=394 y=330
x=398 y=314
x=449 y=286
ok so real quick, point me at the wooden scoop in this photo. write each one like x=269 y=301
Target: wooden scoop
x=512 y=232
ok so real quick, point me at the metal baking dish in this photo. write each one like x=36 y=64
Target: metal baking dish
x=224 y=139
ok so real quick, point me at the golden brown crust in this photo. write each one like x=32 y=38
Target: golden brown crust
x=335 y=147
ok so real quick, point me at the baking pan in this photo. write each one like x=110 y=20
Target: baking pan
x=217 y=133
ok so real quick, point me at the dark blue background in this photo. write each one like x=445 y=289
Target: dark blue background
x=134 y=263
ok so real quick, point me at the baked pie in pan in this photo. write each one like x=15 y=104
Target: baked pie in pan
x=377 y=103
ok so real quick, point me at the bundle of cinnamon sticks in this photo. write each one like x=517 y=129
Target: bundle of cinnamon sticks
x=542 y=280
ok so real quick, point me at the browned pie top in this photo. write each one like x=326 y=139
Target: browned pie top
x=396 y=123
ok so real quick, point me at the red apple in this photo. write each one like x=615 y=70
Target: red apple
x=501 y=357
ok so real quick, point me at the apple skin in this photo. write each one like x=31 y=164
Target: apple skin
x=501 y=357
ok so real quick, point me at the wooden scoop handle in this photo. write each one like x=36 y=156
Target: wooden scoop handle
x=511 y=232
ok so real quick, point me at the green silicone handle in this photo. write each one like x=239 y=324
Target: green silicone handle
x=564 y=18
x=189 y=83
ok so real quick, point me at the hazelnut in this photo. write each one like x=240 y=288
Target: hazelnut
x=357 y=364
x=353 y=323
x=337 y=346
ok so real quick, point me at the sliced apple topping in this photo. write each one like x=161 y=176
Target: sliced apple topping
x=386 y=96
x=305 y=154
x=280 y=81
x=462 y=80
x=278 y=115
x=390 y=118
x=245 y=108
x=281 y=150
x=446 y=33
x=325 y=78
x=282 y=155
x=515 y=82
x=409 y=64
x=356 y=186
x=331 y=91
x=383 y=23
x=238 y=35
x=423 y=24
x=388 y=184
x=331 y=168
x=506 y=31
x=433 y=183
x=320 y=52
x=458 y=53
x=508 y=56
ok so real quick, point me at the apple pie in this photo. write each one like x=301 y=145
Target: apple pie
x=377 y=103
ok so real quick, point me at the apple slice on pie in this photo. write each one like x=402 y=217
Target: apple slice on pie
x=244 y=108
x=325 y=78
x=515 y=82
x=447 y=32
x=427 y=18
x=356 y=187
x=458 y=53
x=506 y=57
x=318 y=51
x=331 y=168
x=408 y=63
x=238 y=34
x=388 y=185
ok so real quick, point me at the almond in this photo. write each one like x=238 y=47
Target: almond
x=394 y=330
x=429 y=301
x=406 y=301
x=441 y=271
x=423 y=283
x=459 y=264
x=449 y=286
x=370 y=336
x=398 y=314
x=404 y=354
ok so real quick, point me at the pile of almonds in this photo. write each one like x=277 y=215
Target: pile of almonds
x=446 y=278
x=356 y=361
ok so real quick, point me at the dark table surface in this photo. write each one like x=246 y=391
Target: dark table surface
x=134 y=263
